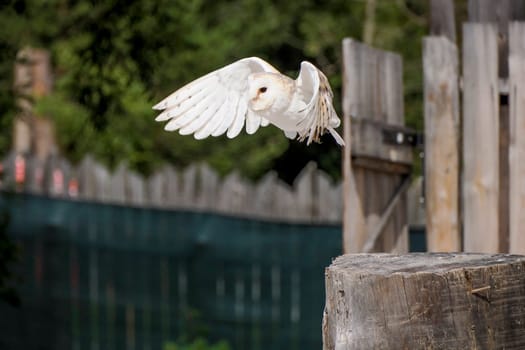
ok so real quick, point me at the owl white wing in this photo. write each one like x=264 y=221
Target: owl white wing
x=320 y=115
x=215 y=103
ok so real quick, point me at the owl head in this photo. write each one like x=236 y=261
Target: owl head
x=268 y=91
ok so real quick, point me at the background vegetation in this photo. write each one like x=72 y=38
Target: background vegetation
x=114 y=59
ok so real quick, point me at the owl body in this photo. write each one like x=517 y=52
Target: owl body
x=251 y=92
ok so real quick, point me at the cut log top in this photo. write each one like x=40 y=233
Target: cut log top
x=425 y=301
x=436 y=263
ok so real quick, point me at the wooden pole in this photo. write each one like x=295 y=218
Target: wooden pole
x=500 y=13
x=354 y=227
x=517 y=136
x=425 y=301
x=33 y=79
x=440 y=64
x=480 y=138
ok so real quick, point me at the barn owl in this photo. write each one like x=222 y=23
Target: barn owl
x=251 y=92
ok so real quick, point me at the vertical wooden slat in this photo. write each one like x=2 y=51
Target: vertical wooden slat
x=304 y=192
x=392 y=89
x=480 y=138
x=372 y=90
x=517 y=136
x=501 y=12
x=354 y=229
x=440 y=63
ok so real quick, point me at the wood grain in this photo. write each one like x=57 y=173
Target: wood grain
x=480 y=138
x=425 y=301
x=440 y=62
x=517 y=137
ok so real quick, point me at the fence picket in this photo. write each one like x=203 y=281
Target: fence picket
x=517 y=136
x=480 y=137
x=312 y=198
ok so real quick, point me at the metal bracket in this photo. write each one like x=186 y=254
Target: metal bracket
x=402 y=137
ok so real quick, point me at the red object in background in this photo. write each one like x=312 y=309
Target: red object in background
x=73 y=188
x=20 y=169
x=58 y=181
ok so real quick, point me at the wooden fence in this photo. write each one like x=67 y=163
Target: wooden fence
x=484 y=197
x=377 y=161
x=313 y=198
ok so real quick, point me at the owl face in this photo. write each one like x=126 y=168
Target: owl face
x=269 y=92
x=261 y=91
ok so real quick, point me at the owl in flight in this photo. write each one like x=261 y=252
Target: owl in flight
x=250 y=91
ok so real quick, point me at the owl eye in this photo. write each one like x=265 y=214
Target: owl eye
x=263 y=89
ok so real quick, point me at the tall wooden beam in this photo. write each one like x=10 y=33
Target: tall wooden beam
x=480 y=138
x=500 y=13
x=440 y=64
x=517 y=136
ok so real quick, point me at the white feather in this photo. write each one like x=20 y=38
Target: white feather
x=253 y=121
x=222 y=101
x=228 y=117
x=214 y=122
x=238 y=122
x=201 y=120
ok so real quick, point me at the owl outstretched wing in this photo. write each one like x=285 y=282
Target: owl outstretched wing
x=320 y=115
x=215 y=103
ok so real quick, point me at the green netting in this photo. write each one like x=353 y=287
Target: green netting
x=98 y=276
x=110 y=277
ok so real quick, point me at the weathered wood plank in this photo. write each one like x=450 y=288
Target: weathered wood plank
x=440 y=64
x=354 y=229
x=372 y=105
x=517 y=137
x=480 y=138
x=171 y=187
x=500 y=13
x=117 y=190
x=367 y=138
x=314 y=198
x=425 y=301
x=386 y=216
x=373 y=81
x=306 y=191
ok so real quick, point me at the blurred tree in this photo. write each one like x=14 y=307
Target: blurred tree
x=115 y=59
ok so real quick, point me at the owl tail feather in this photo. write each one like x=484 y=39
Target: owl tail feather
x=336 y=136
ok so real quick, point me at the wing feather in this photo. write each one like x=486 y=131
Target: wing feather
x=238 y=122
x=253 y=121
x=214 y=122
x=202 y=119
x=215 y=103
x=229 y=116
x=187 y=116
x=320 y=116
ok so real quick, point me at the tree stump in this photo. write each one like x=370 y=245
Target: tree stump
x=425 y=301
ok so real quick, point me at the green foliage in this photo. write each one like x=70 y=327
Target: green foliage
x=115 y=59
x=199 y=344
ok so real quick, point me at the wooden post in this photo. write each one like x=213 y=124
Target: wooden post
x=425 y=301
x=33 y=79
x=517 y=136
x=500 y=13
x=377 y=160
x=354 y=230
x=480 y=138
x=440 y=64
